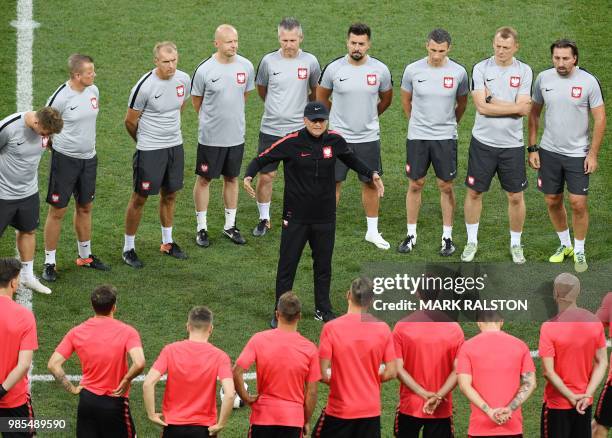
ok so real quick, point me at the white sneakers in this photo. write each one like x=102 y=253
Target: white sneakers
x=35 y=285
x=377 y=239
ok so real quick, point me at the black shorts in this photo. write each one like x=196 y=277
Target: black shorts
x=24 y=411
x=103 y=416
x=441 y=153
x=71 y=176
x=603 y=412
x=407 y=426
x=369 y=153
x=265 y=141
x=557 y=169
x=334 y=427
x=565 y=423
x=256 y=431
x=485 y=161
x=214 y=161
x=185 y=431
x=21 y=214
x=159 y=168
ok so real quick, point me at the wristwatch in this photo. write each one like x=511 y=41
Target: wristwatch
x=489 y=98
x=533 y=148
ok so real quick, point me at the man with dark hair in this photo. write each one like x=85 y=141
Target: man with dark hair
x=18 y=341
x=287 y=388
x=286 y=80
x=351 y=349
x=73 y=167
x=193 y=367
x=101 y=343
x=434 y=97
x=574 y=362
x=153 y=120
x=565 y=154
x=220 y=86
x=23 y=139
x=426 y=347
x=501 y=88
x=309 y=208
x=492 y=368
x=361 y=88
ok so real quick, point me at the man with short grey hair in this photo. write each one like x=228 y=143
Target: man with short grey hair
x=74 y=163
x=286 y=80
x=434 y=97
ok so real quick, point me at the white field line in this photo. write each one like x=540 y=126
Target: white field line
x=247 y=376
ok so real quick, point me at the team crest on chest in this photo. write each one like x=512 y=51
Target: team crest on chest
x=327 y=152
x=515 y=81
x=576 y=92
x=371 y=78
x=302 y=73
x=449 y=82
x=180 y=90
x=241 y=77
x=94 y=102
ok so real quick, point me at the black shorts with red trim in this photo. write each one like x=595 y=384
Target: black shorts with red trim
x=257 y=431
x=214 y=161
x=565 y=423
x=103 y=416
x=159 y=168
x=23 y=411
x=407 y=426
x=603 y=412
x=185 y=431
x=556 y=170
x=21 y=214
x=71 y=176
x=441 y=154
x=328 y=426
x=485 y=161
x=265 y=141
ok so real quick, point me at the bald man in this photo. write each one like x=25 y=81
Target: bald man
x=574 y=361
x=219 y=89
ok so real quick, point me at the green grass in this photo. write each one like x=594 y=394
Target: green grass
x=238 y=282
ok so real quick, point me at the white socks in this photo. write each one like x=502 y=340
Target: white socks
x=84 y=249
x=472 y=232
x=27 y=269
x=201 y=218
x=50 y=257
x=372 y=225
x=230 y=218
x=412 y=230
x=515 y=238
x=578 y=245
x=128 y=242
x=264 y=210
x=166 y=235
x=447 y=232
x=564 y=238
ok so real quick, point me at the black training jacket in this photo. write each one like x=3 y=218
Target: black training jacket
x=309 y=168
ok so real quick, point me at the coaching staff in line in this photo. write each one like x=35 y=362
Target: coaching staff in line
x=309 y=211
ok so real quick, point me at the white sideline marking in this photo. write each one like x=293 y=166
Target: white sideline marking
x=25 y=39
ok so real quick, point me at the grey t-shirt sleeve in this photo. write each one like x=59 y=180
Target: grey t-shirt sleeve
x=537 y=93
x=386 y=82
x=140 y=102
x=595 y=95
x=198 y=85
x=525 y=88
x=327 y=78
x=58 y=99
x=315 y=73
x=407 y=80
x=464 y=87
x=262 y=73
x=251 y=77
x=478 y=78
x=4 y=135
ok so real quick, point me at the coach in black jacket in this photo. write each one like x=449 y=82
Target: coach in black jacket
x=309 y=208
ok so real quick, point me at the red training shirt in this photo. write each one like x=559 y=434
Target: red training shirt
x=571 y=338
x=495 y=360
x=428 y=350
x=102 y=344
x=285 y=362
x=357 y=344
x=17 y=333
x=193 y=369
